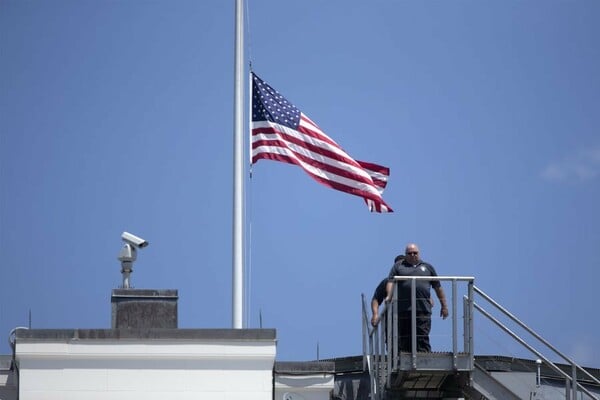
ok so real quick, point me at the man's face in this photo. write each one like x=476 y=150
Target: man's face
x=412 y=254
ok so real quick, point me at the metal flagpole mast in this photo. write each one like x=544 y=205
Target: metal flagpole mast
x=238 y=169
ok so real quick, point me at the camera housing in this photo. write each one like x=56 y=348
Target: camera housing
x=134 y=240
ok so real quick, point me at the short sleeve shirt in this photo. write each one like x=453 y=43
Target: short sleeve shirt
x=422 y=286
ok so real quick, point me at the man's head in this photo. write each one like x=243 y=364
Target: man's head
x=412 y=253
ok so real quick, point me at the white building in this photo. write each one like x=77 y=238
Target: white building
x=145 y=356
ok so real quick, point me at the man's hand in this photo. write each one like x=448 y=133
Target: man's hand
x=375 y=320
x=444 y=312
x=442 y=298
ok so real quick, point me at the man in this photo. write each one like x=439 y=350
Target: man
x=412 y=265
x=380 y=294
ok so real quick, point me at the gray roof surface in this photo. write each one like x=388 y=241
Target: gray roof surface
x=303 y=367
x=53 y=335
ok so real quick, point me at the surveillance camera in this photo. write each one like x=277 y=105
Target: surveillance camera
x=134 y=240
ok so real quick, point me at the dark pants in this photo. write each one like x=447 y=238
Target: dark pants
x=405 y=331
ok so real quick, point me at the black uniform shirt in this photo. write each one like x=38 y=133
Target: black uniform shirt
x=380 y=292
x=422 y=286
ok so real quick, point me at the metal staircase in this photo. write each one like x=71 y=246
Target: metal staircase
x=484 y=384
x=453 y=374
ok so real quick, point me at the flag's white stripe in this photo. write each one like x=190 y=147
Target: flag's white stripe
x=315 y=156
x=317 y=171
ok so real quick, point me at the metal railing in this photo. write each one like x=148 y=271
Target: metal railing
x=382 y=356
x=381 y=348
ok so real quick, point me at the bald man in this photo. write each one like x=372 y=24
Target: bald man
x=412 y=265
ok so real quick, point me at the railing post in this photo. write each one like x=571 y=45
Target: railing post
x=380 y=352
x=470 y=322
x=392 y=354
x=466 y=325
x=375 y=359
x=383 y=361
x=574 y=381
x=364 y=331
x=413 y=327
x=454 y=326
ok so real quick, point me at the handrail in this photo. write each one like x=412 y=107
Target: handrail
x=538 y=337
x=575 y=367
x=533 y=350
x=433 y=278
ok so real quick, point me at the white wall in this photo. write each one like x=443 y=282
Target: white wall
x=146 y=369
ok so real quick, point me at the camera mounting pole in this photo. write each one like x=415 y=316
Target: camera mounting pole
x=127 y=256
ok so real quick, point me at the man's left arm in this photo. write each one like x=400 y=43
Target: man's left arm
x=439 y=291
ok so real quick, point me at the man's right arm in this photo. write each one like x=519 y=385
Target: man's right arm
x=375 y=311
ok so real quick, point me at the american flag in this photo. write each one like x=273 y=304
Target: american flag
x=283 y=133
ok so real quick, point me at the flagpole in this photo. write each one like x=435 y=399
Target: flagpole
x=238 y=170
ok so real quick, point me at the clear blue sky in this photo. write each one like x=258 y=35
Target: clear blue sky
x=117 y=115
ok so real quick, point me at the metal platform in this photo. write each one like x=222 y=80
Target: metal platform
x=435 y=362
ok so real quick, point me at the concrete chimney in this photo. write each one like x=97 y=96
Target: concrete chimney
x=144 y=308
